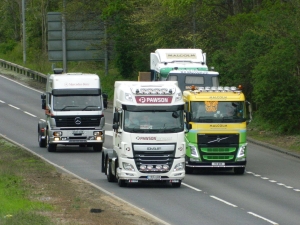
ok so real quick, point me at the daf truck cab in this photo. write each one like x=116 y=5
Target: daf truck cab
x=148 y=134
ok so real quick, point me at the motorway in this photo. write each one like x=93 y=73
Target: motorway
x=268 y=193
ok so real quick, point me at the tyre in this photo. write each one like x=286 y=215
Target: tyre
x=51 y=147
x=239 y=170
x=176 y=185
x=189 y=170
x=109 y=175
x=97 y=147
x=42 y=142
x=122 y=183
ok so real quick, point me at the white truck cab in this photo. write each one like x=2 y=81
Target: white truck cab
x=73 y=105
x=162 y=61
x=148 y=134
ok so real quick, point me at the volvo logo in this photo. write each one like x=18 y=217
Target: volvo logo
x=218 y=139
x=77 y=120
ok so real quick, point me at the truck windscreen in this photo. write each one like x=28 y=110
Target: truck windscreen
x=214 y=111
x=153 y=122
x=186 y=80
x=77 y=102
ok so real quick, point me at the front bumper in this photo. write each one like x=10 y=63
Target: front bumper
x=74 y=137
x=192 y=164
x=136 y=176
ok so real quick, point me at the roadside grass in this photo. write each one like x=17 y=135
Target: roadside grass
x=257 y=130
x=16 y=205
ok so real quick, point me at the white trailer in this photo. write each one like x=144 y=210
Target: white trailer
x=73 y=105
x=162 y=61
x=148 y=134
x=187 y=66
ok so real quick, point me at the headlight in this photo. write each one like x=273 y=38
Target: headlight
x=149 y=167
x=57 y=133
x=179 y=167
x=128 y=166
x=242 y=151
x=165 y=167
x=97 y=133
x=194 y=151
x=158 y=167
x=178 y=97
x=99 y=138
x=142 y=167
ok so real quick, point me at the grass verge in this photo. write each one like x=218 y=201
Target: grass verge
x=16 y=205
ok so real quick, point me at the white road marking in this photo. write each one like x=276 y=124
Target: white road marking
x=109 y=132
x=273 y=181
x=263 y=218
x=29 y=114
x=221 y=200
x=196 y=189
x=2 y=101
x=21 y=84
x=13 y=106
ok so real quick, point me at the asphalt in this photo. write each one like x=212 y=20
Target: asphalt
x=273 y=147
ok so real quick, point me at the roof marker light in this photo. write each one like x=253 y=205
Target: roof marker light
x=226 y=88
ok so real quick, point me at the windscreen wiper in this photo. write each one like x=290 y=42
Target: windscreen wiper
x=91 y=106
x=71 y=106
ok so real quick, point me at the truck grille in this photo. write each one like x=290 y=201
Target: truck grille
x=77 y=121
x=218 y=147
x=153 y=157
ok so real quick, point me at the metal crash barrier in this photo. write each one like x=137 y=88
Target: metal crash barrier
x=23 y=71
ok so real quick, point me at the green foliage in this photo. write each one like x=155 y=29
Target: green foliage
x=276 y=88
x=7 y=47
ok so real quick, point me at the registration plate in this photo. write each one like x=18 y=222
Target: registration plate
x=153 y=177
x=218 y=164
x=78 y=132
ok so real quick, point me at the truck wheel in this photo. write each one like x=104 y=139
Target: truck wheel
x=97 y=147
x=51 y=147
x=109 y=175
x=188 y=170
x=176 y=185
x=42 y=142
x=122 y=183
x=239 y=170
